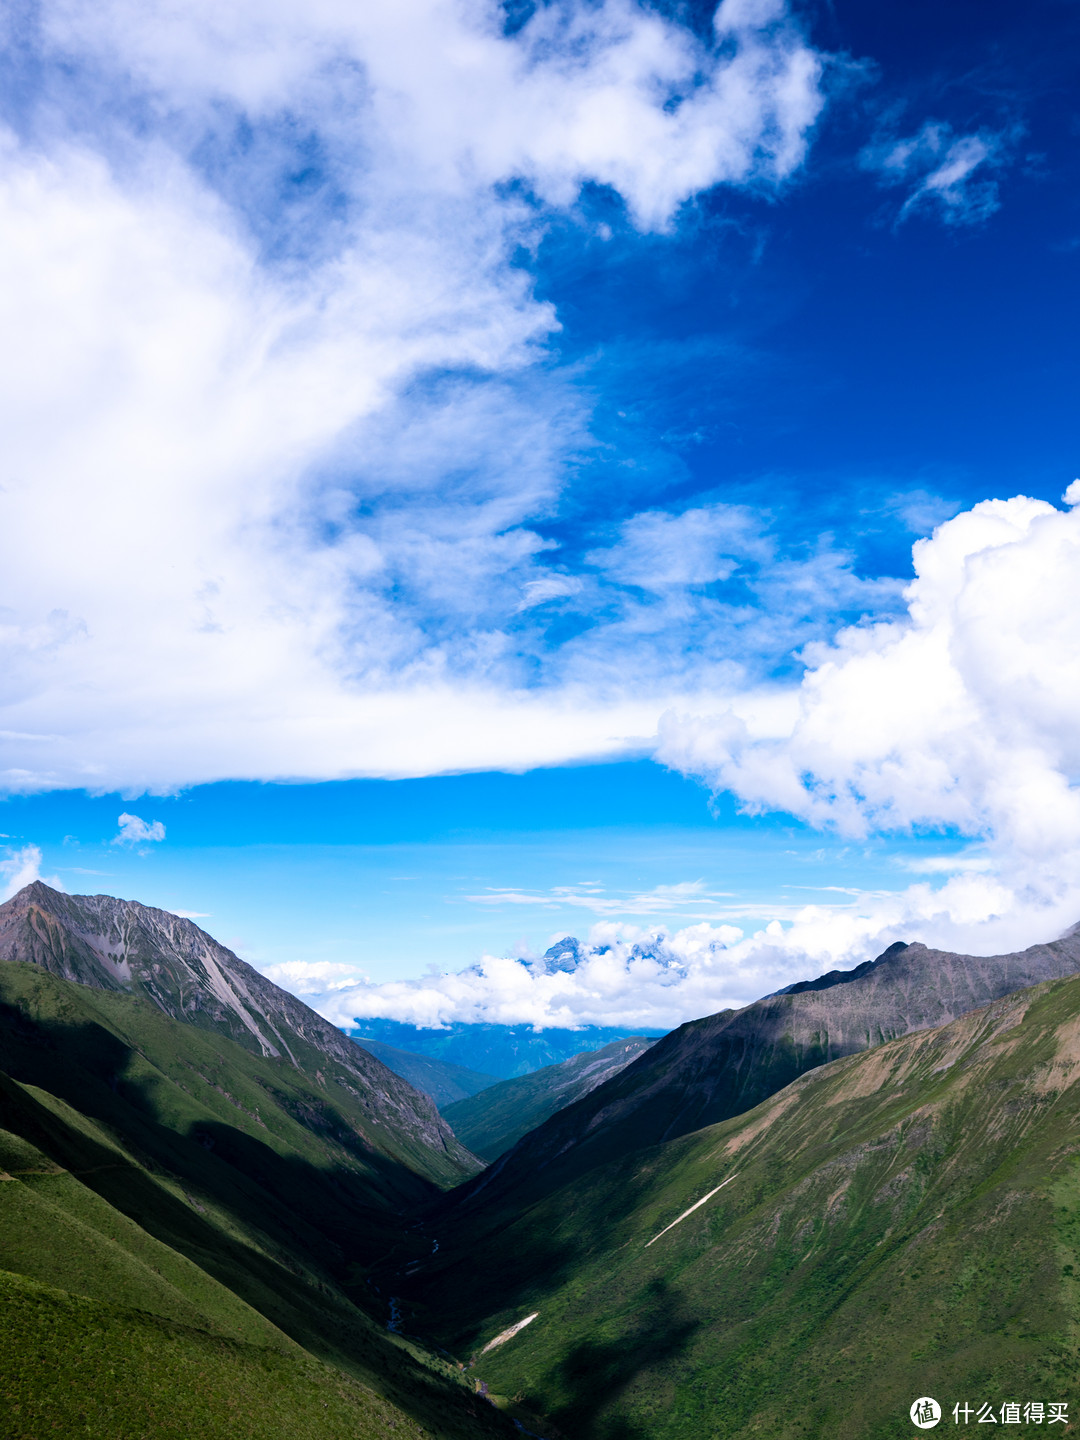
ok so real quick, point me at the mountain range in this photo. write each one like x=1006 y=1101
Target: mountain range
x=127 y=948
x=220 y=1216
x=724 y=1064
x=898 y=1223
x=445 y=1083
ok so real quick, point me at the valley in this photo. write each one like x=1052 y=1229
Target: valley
x=786 y=1221
x=892 y=1224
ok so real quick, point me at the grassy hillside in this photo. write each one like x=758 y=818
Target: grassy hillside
x=163 y=1183
x=492 y=1121
x=445 y=1083
x=899 y=1223
x=72 y=1367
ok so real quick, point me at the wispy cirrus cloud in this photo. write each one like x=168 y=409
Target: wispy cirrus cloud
x=688 y=896
x=946 y=174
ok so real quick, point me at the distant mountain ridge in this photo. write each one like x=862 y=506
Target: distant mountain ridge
x=711 y=1069
x=495 y=1118
x=121 y=945
x=505 y=1051
x=445 y=1083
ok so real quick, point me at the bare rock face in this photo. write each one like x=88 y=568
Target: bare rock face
x=711 y=1069
x=111 y=944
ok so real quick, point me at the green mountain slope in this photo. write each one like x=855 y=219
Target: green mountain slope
x=221 y=1206
x=899 y=1223
x=721 y=1065
x=494 y=1120
x=445 y=1083
x=121 y=947
x=69 y=1366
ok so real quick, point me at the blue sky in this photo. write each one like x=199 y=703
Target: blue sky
x=464 y=466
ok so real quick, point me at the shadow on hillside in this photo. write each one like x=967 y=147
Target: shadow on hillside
x=493 y=1257
x=595 y=1375
x=91 y=1068
x=263 y=1224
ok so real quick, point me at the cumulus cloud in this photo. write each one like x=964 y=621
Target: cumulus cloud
x=134 y=831
x=274 y=357
x=22 y=867
x=945 y=174
x=622 y=977
x=19 y=868
x=959 y=716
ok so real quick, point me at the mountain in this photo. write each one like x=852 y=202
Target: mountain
x=123 y=947
x=188 y=1228
x=445 y=1083
x=710 y=1069
x=898 y=1223
x=494 y=1120
x=504 y=1051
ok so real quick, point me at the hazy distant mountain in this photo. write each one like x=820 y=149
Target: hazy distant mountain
x=445 y=1083
x=122 y=946
x=501 y=1050
x=493 y=1120
x=721 y=1065
x=895 y=1224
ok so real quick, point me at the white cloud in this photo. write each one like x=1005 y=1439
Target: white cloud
x=19 y=868
x=657 y=979
x=921 y=510
x=945 y=173
x=134 y=831
x=272 y=357
x=699 y=547
x=961 y=715
x=949 y=864
x=691 y=896
x=610 y=92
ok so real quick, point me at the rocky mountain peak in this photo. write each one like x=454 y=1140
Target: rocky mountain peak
x=564 y=955
x=120 y=945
